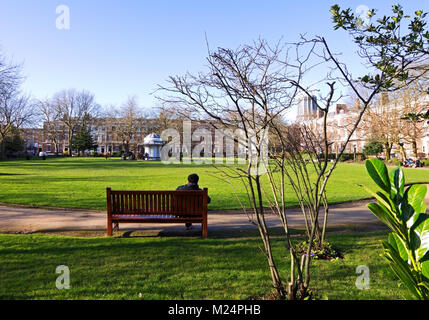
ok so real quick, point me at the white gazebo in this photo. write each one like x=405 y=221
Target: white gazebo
x=152 y=144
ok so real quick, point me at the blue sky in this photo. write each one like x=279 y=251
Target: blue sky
x=117 y=49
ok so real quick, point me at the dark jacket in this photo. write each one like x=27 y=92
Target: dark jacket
x=192 y=186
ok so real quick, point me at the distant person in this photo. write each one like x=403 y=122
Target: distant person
x=192 y=185
x=417 y=163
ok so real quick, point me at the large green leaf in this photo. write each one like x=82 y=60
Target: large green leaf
x=397 y=183
x=425 y=269
x=407 y=212
x=422 y=229
x=416 y=197
x=392 y=207
x=381 y=198
x=401 y=269
x=398 y=244
x=414 y=240
x=384 y=216
x=413 y=204
x=377 y=170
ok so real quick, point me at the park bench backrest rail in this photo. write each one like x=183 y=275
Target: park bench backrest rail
x=179 y=203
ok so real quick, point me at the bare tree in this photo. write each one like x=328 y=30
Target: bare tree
x=10 y=77
x=243 y=89
x=128 y=120
x=382 y=123
x=75 y=109
x=51 y=116
x=15 y=108
x=249 y=88
x=412 y=101
x=15 y=112
x=167 y=117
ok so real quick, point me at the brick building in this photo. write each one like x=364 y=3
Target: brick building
x=33 y=139
x=340 y=120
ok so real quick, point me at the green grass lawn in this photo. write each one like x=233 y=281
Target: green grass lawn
x=179 y=268
x=81 y=182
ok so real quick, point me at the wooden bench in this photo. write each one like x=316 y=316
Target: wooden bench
x=156 y=207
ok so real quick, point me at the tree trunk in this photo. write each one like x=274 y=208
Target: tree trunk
x=403 y=152
x=2 y=150
x=262 y=227
x=415 y=151
x=70 y=143
x=387 y=150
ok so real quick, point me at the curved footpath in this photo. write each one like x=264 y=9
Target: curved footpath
x=24 y=219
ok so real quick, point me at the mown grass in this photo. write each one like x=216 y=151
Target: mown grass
x=82 y=182
x=179 y=268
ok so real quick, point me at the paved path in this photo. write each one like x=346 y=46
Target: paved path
x=26 y=220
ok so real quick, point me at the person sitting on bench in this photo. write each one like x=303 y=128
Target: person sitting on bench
x=192 y=185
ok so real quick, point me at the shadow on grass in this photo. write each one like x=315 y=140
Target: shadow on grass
x=336 y=232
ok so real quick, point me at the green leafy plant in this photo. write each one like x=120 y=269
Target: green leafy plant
x=403 y=212
x=373 y=148
x=324 y=251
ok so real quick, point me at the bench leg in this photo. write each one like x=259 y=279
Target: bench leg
x=205 y=231
x=109 y=228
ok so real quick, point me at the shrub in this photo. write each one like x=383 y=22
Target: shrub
x=322 y=252
x=373 y=148
x=403 y=212
x=351 y=157
x=345 y=156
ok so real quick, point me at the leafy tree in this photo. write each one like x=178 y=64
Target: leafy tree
x=83 y=140
x=403 y=212
x=373 y=148
x=13 y=142
x=396 y=46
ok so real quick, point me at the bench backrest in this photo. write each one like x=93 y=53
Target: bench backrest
x=162 y=203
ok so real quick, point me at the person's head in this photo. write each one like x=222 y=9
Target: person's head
x=193 y=178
